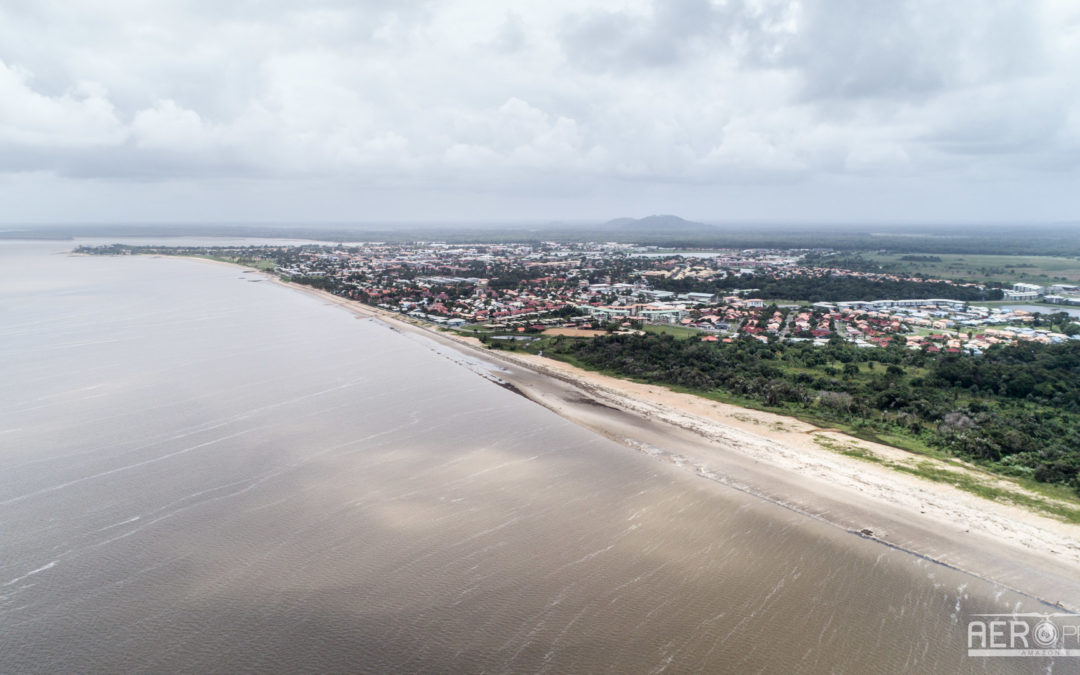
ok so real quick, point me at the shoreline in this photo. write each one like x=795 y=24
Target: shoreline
x=776 y=458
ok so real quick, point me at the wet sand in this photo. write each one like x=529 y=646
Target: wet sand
x=776 y=459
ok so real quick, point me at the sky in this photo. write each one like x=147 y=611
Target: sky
x=337 y=111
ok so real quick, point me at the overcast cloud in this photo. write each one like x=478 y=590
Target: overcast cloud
x=359 y=110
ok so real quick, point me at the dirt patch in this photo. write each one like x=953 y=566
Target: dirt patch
x=574 y=332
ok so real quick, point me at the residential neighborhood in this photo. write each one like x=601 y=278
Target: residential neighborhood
x=542 y=286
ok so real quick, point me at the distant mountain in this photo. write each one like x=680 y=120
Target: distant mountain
x=665 y=224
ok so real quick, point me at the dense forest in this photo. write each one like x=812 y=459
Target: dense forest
x=829 y=288
x=1015 y=409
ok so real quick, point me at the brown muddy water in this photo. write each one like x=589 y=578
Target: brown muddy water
x=204 y=472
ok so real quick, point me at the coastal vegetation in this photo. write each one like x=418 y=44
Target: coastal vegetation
x=1014 y=410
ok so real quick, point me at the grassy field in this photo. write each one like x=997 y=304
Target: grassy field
x=265 y=265
x=1004 y=268
x=677 y=331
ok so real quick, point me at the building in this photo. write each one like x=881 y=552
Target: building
x=1024 y=292
x=1019 y=295
x=702 y=298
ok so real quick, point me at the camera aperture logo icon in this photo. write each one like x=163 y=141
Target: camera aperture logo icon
x=1045 y=634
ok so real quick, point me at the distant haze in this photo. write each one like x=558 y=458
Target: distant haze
x=289 y=111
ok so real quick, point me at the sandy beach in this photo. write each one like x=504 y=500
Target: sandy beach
x=782 y=460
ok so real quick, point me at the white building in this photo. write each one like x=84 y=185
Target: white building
x=1029 y=288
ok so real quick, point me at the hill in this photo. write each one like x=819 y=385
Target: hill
x=658 y=224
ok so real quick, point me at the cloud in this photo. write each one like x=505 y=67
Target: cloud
x=663 y=35
x=616 y=99
x=169 y=128
x=908 y=50
x=673 y=33
x=511 y=36
x=79 y=118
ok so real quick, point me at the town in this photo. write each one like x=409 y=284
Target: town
x=517 y=291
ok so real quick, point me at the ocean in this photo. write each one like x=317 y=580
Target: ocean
x=202 y=471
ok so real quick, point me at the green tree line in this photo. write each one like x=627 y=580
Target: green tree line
x=1016 y=409
x=830 y=288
